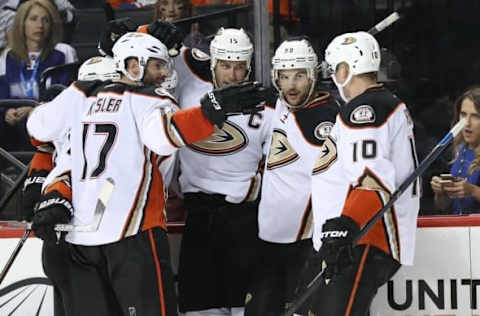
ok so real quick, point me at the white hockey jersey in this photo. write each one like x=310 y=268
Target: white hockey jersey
x=228 y=161
x=121 y=132
x=376 y=152
x=285 y=206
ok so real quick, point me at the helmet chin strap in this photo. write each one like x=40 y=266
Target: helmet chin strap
x=340 y=86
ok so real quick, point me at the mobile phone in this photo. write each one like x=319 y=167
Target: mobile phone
x=447 y=177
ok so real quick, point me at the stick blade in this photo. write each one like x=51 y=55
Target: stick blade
x=106 y=193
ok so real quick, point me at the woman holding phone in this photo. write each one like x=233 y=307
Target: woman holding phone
x=459 y=191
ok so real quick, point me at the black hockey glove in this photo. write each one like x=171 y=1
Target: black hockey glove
x=113 y=31
x=244 y=98
x=170 y=35
x=54 y=209
x=32 y=192
x=337 y=248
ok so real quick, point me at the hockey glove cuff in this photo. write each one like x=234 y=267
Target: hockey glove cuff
x=54 y=209
x=32 y=193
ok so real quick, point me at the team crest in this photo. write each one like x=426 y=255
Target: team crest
x=322 y=130
x=281 y=152
x=94 y=60
x=199 y=55
x=328 y=154
x=228 y=140
x=362 y=115
x=349 y=40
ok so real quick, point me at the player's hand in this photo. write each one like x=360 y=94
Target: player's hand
x=244 y=98
x=170 y=35
x=54 y=209
x=113 y=31
x=337 y=248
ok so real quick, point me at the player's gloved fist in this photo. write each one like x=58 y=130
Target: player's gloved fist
x=170 y=35
x=32 y=193
x=244 y=98
x=54 y=209
x=113 y=31
x=337 y=248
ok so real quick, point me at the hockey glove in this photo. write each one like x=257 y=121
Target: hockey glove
x=54 y=209
x=32 y=192
x=113 y=31
x=337 y=248
x=170 y=35
x=244 y=98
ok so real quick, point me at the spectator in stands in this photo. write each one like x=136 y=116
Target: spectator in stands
x=33 y=45
x=130 y=4
x=171 y=10
x=461 y=192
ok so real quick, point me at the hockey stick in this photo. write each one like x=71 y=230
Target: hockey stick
x=14 y=254
x=383 y=24
x=431 y=157
x=106 y=193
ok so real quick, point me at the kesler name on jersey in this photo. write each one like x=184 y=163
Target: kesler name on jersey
x=104 y=105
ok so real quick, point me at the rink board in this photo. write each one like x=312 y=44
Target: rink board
x=443 y=281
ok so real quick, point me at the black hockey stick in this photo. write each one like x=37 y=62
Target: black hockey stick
x=14 y=254
x=431 y=157
x=106 y=193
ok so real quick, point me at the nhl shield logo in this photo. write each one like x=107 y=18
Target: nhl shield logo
x=362 y=115
x=323 y=130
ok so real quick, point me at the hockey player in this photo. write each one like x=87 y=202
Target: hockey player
x=302 y=120
x=220 y=180
x=376 y=152
x=126 y=131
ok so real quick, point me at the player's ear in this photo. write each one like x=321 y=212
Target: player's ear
x=342 y=72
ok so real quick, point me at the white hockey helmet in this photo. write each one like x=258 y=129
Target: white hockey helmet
x=141 y=46
x=232 y=45
x=98 y=68
x=359 y=50
x=295 y=54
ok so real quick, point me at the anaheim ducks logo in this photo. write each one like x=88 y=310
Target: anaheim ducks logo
x=349 y=40
x=281 y=152
x=327 y=156
x=228 y=140
x=322 y=130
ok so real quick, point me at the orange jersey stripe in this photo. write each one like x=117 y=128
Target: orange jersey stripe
x=143 y=28
x=154 y=211
x=361 y=205
x=192 y=124
x=358 y=276
x=62 y=188
x=159 y=272
x=41 y=161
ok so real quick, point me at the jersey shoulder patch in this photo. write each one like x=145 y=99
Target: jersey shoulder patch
x=316 y=121
x=199 y=63
x=371 y=109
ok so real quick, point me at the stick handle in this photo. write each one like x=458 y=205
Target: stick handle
x=380 y=26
